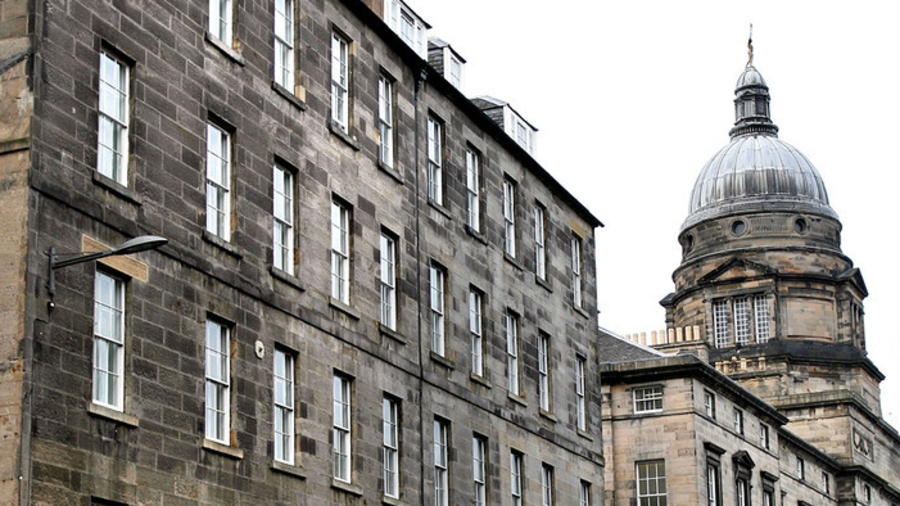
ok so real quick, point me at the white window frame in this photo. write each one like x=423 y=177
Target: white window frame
x=580 y=402
x=437 y=304
x=801 y=468
x=515 y=477
x=221 y=20
x=476 y=310
x=388 y=281
x=283 y=396
x=340 y=252
x=764 y=435
x=738 y=421
x=540 y=243
x=454 y=69
x=113 y=118
x=743 y=492
x=741 y=308
x=218 y=382
x=479 y=471
x=283 y=219
x=826 y=483
x=284 y=44
x=709 y=403
x=109 y=342
x=340 y=82
x=720 y=322
x=343 y=444
x=386 y=120
x=544 y=371
x=645 y=473
x=509 y=218
x=218 y=182
x=512 y=352
x=435 y=161
x=647 y=399
x=473 y=190
x=441 y=464
x=546 y=485
x=761 y=318
x=712 y=484
x=391 y=441
x=577 y=287
x=584 y=498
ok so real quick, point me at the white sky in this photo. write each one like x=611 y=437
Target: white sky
x=633 y=97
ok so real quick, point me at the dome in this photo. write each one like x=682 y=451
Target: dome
x=756 y=171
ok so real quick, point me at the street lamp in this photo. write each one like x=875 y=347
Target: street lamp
x=128 y=247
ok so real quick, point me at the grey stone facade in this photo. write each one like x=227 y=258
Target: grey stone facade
x=62 y=448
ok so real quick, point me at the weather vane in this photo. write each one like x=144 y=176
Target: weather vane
x=750 y=47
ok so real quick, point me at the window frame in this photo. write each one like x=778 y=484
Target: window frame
x=580 y=393
x=540 y=242
x=764 y=435
x=341 y=224
x=340 y=81
x=577 y=280
x=801 y=468
x=761 y=318
x=285 y=440
x=386 y=114
x=546 y=485
x=741 y=309
x=584 y=494
x=656 y=395
x=218 y=181
x=720 y=322
x=738 y=421
x=544 y=393
x=283 y=226
x=342 y=429
x=479 y=470
x=515 y=476
x=713 y=483
x=391 y=446
x=437 y=288
x=511 y=327
x=217 y=424
x=221 y=20
x=509 y=217
x=117 y=145
x=709 y=403
x=647 y=498
x=440 y=437
x=114 y=305
x=435 y=150
x=473 y=189
x=388 y=280
x=283 y=61
x=476 y=330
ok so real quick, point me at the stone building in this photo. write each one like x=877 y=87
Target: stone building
x=371 y=293
x=765 y=295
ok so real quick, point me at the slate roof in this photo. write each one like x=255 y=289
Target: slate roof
x=615 y=349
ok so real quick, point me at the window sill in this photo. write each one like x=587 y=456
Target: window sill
x=111 y=414
x=543 y=283
x=116 y=188
x=342 y=135
x=221 y=449
x=388 y=332
x=581 y=311
x=476 y=234
x=348 y=488
x=442 y=360
x=481 y=380
x=440 y=208
x=517 y=399
x=227 y=51
x=390 y=171
x=585 y=435
x=512 y=260
x=289 y=469
x=222 y=244
x=548 y=415
x=286 y=278
x=392 y=501
x=287 y=95
x=344 y=308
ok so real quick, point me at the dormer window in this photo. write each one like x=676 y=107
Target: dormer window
x=446 y=61
x=455 y=73
x=520 y=131
x=408 y=25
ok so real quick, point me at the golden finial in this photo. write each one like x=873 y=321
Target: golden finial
x=750 y=47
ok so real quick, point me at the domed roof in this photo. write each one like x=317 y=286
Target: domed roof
x=756 y=171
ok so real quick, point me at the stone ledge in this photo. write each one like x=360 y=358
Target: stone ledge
x=581 y=311
x=290 y=469
x=478 y=236
x=286 y=278
x=113 y=415
x=481 y=380
x=228 y=451
x=348 y=488
x=393 y=334
x=116 y=188
x=440 y=208
x=290 y=97
x=512 y=261
x=442 y=360
x=222 y=244
x=391 y=501
x=344 y=308
x=390 y=171
x=517 y=399
x=227 y=51
x=585 y=435
x=543 y=283
x=342 y=135
x=548 y=415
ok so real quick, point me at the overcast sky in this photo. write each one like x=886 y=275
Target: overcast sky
x=633 y=97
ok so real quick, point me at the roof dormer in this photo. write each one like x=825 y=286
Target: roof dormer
x=408 y=25
x=446 y=61
x=512 y=122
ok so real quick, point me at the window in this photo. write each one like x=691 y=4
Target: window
x=391 y=448
x=437 y=310
x=743 y=492
x=546 y=485
x=584 y=496
x=441 y=474
x=540 y=251
x=473 y=190
x=709 y=403
x=867 y=494
x=218 y=182
x=455 y=74
x=720 y=323
x=826 y=483
x=512 y=352
x=768 y=498
x=651 y=483
x=435 y=161
x=739 y=421
x=341 y=435
x=544 y=371
x=479 y=478
x=109 y=341
x=713 y=484
x=475 y=312
x=218 y=382
x=284 y=44
x=283 y=212
x=515 y=477
x=409 y=26
x=221 y=20
x=741 y=321
x=340 y=82
x=284 y=406
x=648 y=399
x=388 y=282
x=340 y=252
x=581 y=409
x=576 y=271
x=801 y=468
x=112 y=137
x=761 y=308
x=509 y=217
x=386 y=120
x=764 y=436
